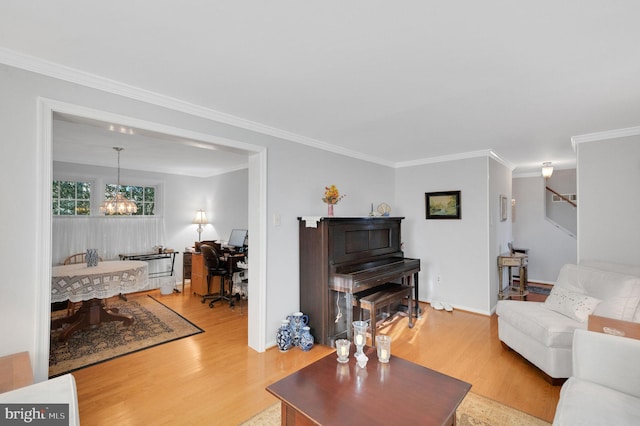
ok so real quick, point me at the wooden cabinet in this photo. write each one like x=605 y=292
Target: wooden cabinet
x=198 y=275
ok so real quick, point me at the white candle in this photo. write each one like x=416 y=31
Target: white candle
x=384 y=354
x=344 y=351
x=359 y=340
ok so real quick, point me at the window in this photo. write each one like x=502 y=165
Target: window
x=143 y=196
x=71 y=198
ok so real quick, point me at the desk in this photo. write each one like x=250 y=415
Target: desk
x=519 y=260
x=79 y=283
x=148 y=257
x=400 y=393
x=199 y=271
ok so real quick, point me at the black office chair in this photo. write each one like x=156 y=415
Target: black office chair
x=215 y=268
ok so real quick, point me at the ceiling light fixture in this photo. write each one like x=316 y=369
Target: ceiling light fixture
x=119 y=204
x=547 y=170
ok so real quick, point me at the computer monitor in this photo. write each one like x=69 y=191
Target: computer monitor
x=237 y=238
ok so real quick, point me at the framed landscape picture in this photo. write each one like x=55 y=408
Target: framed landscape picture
x=443 y=205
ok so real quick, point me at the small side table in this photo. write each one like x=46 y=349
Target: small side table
x=615 y=327
x=519 y=260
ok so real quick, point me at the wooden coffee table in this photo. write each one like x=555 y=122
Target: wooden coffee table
x=400 y=392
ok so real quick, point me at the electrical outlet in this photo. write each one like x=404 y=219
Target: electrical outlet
x=439 y=279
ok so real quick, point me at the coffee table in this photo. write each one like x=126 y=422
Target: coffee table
x=400 y=392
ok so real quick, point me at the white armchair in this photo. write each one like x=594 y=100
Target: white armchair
x=604 y=388
x=542 y=332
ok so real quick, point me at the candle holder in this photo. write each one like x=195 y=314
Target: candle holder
x=342 y=349
x=359 y=335
x=383 y=347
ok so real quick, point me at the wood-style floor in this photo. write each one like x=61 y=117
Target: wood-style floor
x=214 y=378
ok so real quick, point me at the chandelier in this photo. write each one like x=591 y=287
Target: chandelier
x=119 y=204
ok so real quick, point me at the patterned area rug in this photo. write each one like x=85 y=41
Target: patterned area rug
x=475 y=410
x=154 y=324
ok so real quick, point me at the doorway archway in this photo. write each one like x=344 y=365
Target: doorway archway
x=257 y=221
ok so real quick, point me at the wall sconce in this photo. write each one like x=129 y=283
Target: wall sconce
x=547 y=170
x=200 y=219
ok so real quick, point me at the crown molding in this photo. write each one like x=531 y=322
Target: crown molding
x=72 y=75
x=600 y=136
x=443 y=158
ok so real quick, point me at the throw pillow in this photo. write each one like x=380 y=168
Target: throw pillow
x=571 y=304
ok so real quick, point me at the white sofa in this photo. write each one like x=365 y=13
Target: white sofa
x=604 y=388
x=542 y=332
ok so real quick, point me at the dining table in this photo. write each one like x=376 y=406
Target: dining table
x=92 y=285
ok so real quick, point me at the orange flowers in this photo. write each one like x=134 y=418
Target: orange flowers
x=332 y=195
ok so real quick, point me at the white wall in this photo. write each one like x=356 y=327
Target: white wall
x=549 y=247
x=500 y=232
x=609 y=200
x=457 y=251
x=296 y=177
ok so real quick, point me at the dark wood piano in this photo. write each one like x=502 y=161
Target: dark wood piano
x=348 y=260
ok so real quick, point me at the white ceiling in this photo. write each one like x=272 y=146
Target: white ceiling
x=88 y=141
x=396 y=82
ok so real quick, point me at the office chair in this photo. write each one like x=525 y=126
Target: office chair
x=215 y=268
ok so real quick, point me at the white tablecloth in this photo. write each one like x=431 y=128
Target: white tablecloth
x=78 y=282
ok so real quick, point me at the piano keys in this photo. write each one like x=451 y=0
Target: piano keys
x=343 y=259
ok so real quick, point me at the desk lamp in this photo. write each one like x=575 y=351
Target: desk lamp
x=200 y=219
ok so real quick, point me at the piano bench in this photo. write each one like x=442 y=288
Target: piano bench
x=390 y=294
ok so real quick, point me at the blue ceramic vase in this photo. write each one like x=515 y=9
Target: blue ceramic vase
x=306 y=339
x=283 y=337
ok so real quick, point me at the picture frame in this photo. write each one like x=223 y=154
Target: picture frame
x=503 y=208
x=443 y=205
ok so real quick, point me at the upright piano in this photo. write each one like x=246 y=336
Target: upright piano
x=343 y=259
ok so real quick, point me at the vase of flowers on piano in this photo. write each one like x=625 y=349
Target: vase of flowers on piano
x=331 y=197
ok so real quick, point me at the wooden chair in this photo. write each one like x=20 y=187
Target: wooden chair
x=71 y=260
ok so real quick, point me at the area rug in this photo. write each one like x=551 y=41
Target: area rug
x=154 y=324
x=475 y=410
x=538 y=290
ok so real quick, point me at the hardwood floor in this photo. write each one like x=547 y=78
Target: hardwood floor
x=214 y=378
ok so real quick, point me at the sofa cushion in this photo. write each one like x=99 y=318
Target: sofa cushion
x=534 y=319
x=576 y=306
x=619 y=294
x=586 y=403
